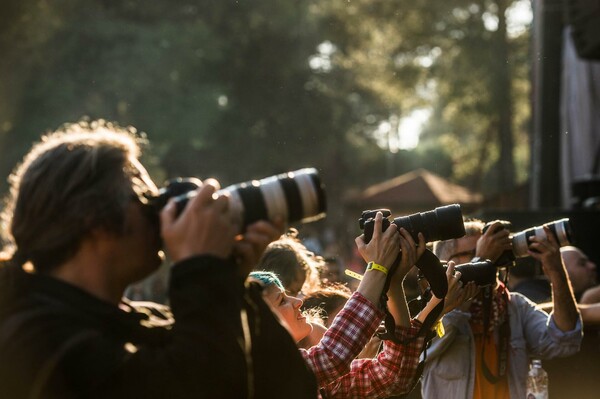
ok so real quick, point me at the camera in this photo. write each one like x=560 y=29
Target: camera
x=482 y=273
x=520 y=241
x=442 y=223
x=297 y=196
x=560 y=228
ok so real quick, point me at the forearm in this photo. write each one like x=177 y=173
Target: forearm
x=351 y=329
x=429 y=307
x=397 y=305
x=565 y=311
x=371 y=286
x=391 y=373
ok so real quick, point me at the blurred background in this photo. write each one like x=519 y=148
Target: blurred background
x=400 y=104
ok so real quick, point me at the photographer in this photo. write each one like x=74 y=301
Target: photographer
x=82 y=231
x=491 y=339
x=333 y=359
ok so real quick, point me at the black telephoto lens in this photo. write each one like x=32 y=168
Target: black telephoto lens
x=482 y=273
x=442 y=223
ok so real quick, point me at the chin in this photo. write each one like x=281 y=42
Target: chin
x=303 y=330
x=306 y=329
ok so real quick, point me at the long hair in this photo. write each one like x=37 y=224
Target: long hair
x=72 y=181
x=288 y=257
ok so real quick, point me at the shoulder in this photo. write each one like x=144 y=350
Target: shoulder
x=518 y=299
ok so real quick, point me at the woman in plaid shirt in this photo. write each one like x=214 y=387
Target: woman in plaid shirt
x=333 y=360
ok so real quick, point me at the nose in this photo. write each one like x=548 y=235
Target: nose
x=297 y=302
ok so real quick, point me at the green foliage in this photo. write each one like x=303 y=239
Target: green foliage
x=240 y=90
x=443 y=55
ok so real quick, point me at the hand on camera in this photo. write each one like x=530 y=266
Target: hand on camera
x=459 y=296
x=411 y=252
x=384 y=245
x=203 y=228
x=547 y=251
x=493 y=242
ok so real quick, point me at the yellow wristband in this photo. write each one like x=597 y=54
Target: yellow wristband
x=375 y=266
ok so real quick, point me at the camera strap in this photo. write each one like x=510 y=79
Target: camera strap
x=503 y=339
x=432 y=269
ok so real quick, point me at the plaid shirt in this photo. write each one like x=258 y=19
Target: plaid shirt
x=340 y=375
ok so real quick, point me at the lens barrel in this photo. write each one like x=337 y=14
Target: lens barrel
x=482 y=273
x=561 y=229
x=297 y=196
x=442 y=223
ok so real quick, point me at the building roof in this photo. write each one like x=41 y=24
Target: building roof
x=418 y=189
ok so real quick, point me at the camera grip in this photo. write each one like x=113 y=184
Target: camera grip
x=369 y=225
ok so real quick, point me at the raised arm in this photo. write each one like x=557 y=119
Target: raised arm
x=410 y=253
x=383 y=250
x=547 y=251
x=493 y=242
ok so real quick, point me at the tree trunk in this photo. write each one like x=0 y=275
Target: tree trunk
x=503 y=99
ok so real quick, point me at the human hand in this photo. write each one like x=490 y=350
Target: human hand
x=250 y=246
x=204 y=226
x=411 y=252
x=547 y=251
x=459 y=295
x=384 y=247
x=493 y=242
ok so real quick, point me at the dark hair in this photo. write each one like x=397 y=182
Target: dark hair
x=72 y=181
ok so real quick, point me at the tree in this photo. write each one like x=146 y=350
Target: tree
x=456 y=57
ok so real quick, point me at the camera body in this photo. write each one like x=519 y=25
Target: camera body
x=442 y=223
x=507 y=258
x=297 y=196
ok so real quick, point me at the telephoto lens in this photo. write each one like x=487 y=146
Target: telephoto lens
x=561 y=229
x=442 y=223
x=482 y=273
x=297 y=197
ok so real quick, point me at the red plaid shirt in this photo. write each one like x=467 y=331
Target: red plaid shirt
x=340 y=375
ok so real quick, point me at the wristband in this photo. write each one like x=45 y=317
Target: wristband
x=375 y=266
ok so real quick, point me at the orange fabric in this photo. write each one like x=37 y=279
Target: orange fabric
x=484 y=389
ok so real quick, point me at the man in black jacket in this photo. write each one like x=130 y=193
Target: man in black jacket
x=82 y=231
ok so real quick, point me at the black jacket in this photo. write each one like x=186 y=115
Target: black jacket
x=57 y=341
